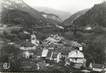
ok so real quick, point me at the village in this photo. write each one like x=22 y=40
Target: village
x=46 y=40
x=51 y=53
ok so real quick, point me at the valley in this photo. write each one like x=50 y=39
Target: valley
x=37 y=41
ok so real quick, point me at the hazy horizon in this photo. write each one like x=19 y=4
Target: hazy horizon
x=70 y=6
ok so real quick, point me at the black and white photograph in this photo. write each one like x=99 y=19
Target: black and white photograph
x=53 y=36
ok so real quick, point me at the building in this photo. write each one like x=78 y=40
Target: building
x=27 y=46
x=53 y=39
x=27 y=54
x=97 y=67
x=44 y=53
x=34 y=40
x=76 y=58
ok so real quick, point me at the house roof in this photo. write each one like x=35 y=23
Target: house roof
x=27 y=44
x=76 y=54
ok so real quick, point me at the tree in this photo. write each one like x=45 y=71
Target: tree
x=95 y=51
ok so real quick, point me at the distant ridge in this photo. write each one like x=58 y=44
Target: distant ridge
x=15 y=6
x=63 y=15
x=70 y=20
x=95 y=16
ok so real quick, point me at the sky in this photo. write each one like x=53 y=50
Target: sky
x=64 y=5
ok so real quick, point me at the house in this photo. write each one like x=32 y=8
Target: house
x=50 y=54
x=34 y=40
x=44 y=53
x=47 y=53
x=97 y=67
x=27 y=45
x=53 y=39
x=88 y=28
x=76 y=44
x=50 y=45
x=76 y=57
x=27 y=54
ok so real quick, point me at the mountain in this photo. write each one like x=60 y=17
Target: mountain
x=19 y=12
x=61 y=14
x=52 y=18
x=70 y=20
x=91 y=28
x=95 y=16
